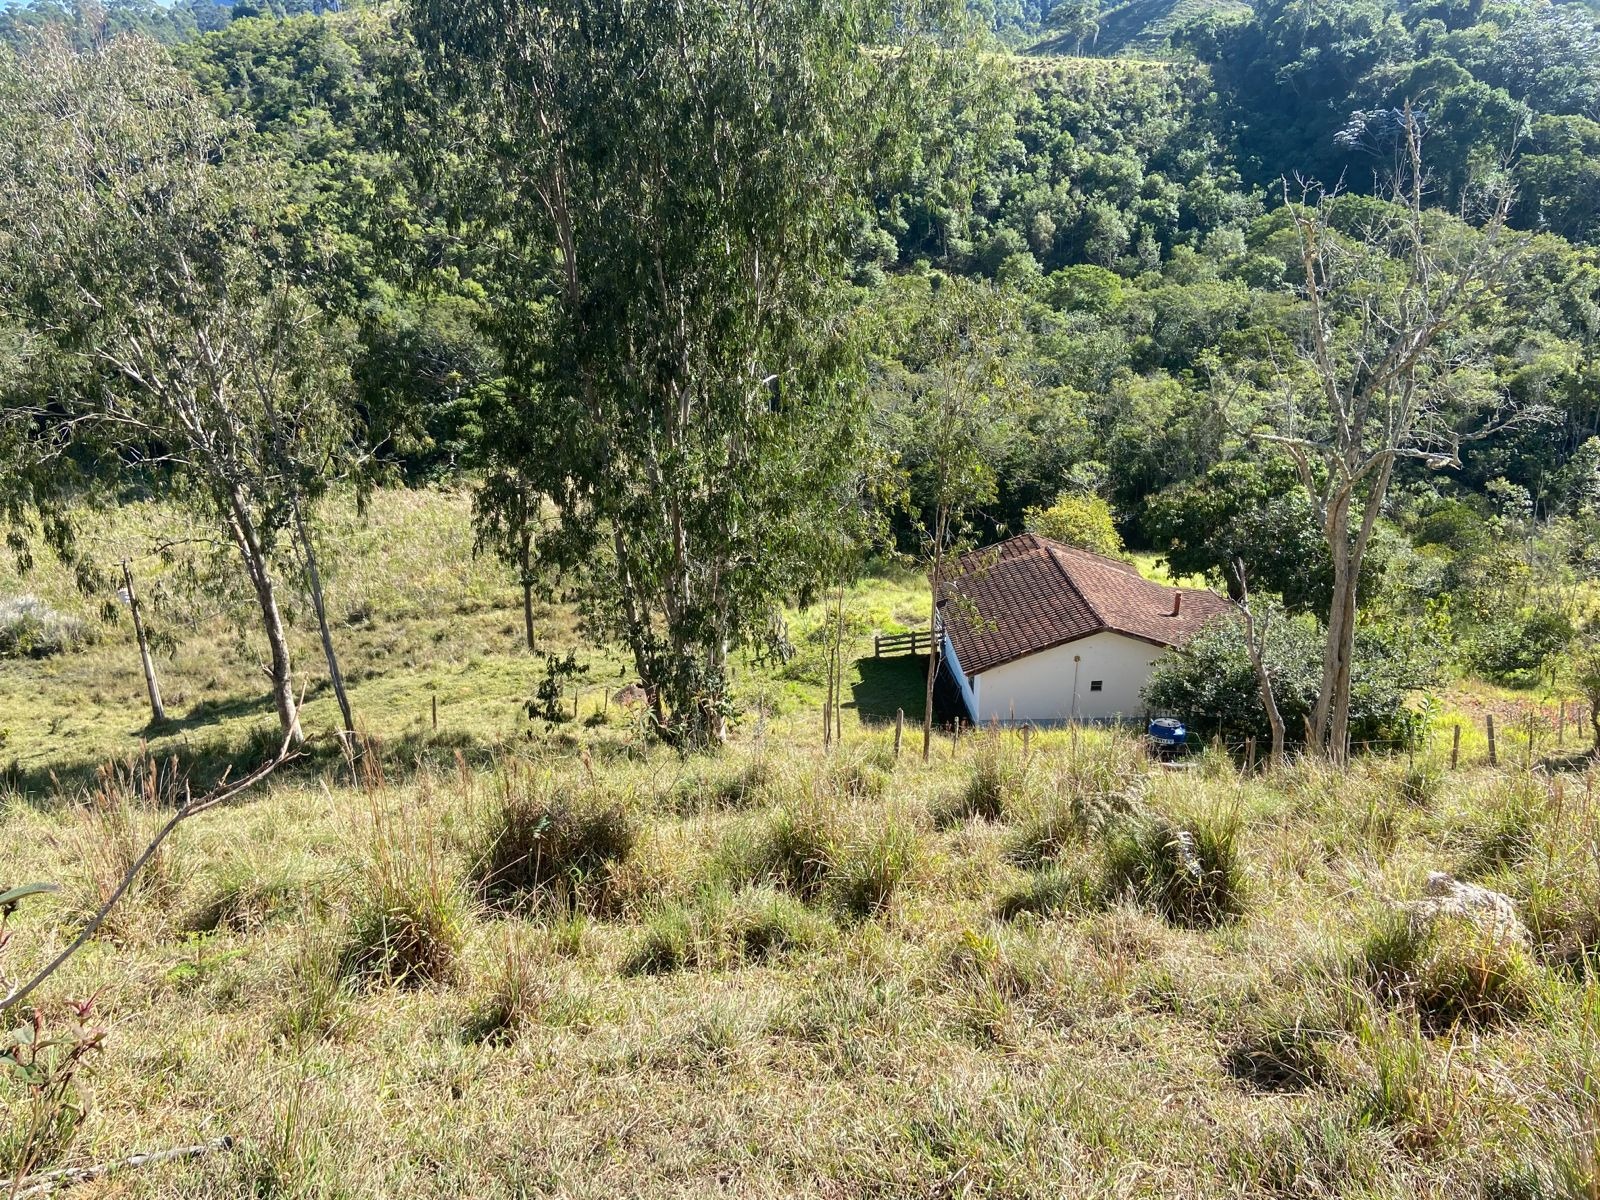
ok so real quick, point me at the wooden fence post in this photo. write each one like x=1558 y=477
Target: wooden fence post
x=1455 y=746
x=436 y=712
x=899 y=729
x=1488 y=724
x=1250 y=755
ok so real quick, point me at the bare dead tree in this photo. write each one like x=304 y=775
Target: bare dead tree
x=1386 y=373
x=1255 y=642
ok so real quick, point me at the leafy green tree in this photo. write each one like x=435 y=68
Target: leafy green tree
x=1212 y=683
x=1244 y=512
x=1078 y=520
x=669 y=191
x=145 y=263
x=507 y=506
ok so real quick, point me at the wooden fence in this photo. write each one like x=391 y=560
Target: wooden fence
x=919 y=642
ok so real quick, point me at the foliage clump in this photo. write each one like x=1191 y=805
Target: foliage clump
x=1189 y=872
x=1212 y=684
x=1052 y=891
x=1078 y=520
x=818 y=852
x=998 y=781
x=408 y=926
x=30 y=628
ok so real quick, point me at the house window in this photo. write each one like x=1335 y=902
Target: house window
x=1096 y=685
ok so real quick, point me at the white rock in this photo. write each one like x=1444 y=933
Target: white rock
x=1493 y=912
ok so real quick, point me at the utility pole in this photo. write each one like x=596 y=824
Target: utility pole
x=158 y=714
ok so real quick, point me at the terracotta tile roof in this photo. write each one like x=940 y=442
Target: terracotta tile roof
x=1029 y=593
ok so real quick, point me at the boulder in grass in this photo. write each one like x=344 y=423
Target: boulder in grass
x=1493 y=913
x=632 y=696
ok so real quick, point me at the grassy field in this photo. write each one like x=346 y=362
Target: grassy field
x=527 y=960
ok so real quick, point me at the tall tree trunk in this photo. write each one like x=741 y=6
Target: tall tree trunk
x=1349 y=551
x=838 y=672
x=158 y=712
x=314 y=584
x=933 y=659
x=527 y=614
x=1336 y=532
x=636 y=629
x=525 y=568
x=712 y=719
x=279 y=671
x=1256 y=645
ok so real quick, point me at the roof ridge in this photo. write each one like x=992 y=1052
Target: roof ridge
x=1066 y=576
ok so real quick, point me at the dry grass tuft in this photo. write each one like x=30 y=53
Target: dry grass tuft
x=547 y=834
x=409 y=922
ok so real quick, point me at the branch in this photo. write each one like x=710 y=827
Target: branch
x=49 y=1181
x=221 y=794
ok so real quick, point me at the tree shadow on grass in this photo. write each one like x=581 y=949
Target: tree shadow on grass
x=202 y=764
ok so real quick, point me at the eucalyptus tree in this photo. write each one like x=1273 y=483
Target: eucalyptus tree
x=667 y=193
x=507 y=507
x=951 y=394
x=147 y=260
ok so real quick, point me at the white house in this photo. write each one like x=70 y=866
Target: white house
x=1039 y=631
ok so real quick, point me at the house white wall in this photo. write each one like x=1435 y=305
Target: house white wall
x=1040 y=686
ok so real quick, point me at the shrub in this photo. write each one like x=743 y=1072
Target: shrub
x=1211 y=683
x=1448 y=969
x=1190 y=873
x=1505 y=650
x=408 y=925
x=42 y=1106
x=30 y=628
x=542 y=834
